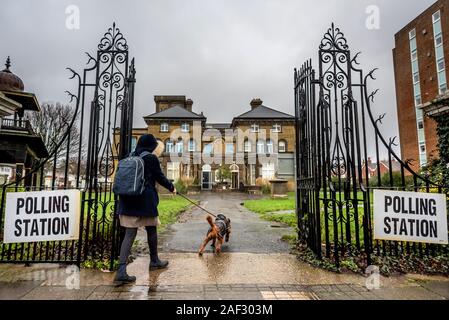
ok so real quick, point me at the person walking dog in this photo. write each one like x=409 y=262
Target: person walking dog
x=141 y=210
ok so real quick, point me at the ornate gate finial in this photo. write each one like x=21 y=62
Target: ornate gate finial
x=334 y=39
x=113 y=39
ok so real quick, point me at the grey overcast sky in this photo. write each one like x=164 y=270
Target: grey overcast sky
x=219 y=53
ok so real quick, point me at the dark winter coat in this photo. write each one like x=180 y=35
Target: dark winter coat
x=145 y=205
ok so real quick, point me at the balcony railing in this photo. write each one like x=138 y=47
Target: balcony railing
x=17 y=125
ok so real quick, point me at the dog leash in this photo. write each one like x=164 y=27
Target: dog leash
x=195 y=204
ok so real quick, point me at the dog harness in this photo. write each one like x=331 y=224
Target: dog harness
x=222 y=228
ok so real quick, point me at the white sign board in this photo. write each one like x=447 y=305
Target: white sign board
x=410 y=216
x=42 y=216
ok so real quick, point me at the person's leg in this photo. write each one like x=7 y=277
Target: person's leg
x=125 y=251
x=155 y=263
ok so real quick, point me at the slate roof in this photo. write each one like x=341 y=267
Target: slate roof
x=175 y=112
x=264 y=112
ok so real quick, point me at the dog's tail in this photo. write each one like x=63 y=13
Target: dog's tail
x=211 y=222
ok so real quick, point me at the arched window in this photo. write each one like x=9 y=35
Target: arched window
x=270 y=148
x=169 y=146
x=180 y=146
x=229 y=148
x=282 y=146
x=192 y=145
x=260 y=146
x=234 y=168
x=247 y=146
x=208 y=148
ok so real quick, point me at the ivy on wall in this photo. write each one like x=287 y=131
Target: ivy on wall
x=443 y=146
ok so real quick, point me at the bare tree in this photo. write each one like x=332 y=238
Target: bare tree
x=53 y=124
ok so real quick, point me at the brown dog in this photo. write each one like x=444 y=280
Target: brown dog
x=219 y=232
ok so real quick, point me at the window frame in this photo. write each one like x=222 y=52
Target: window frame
x=172 y=168
x=172 y=146
x=269 y=144
x=420 y=124
x=227 y=144
x=192 y=142
x=418 y=97
x=247 y=143
x=421 y=146
x=255 y=128
x=183 y=129
x=260 y=142
x=162 y=125
x=439 y=16
x=441 y=60
x=416 y=78
x=179 y=146
x=276 y=128
x=208 y=145
x=438 y=36
x=268 y=167
x=284 y=150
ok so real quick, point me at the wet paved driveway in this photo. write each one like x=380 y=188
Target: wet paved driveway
x=250 y=234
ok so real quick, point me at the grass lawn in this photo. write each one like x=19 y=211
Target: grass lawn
x=271 y=205
x=170 y=208
x=266 y=206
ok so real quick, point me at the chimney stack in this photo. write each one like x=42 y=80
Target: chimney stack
x=189 y=104
x=256 y=103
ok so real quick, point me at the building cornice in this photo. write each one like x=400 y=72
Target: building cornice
x=8 y=106
x=436 y=107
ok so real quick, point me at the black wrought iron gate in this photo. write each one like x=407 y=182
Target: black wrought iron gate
x=337 y=133
x=104 y=101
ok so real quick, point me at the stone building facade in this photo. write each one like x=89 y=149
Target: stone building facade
x=258 y=145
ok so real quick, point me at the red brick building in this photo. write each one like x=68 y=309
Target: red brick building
x=420 y=53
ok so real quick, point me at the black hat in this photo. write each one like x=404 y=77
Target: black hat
x=147 y=142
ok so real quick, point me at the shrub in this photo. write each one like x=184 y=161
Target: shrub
x=264 y=184
x=223 y=173
x=181 y=186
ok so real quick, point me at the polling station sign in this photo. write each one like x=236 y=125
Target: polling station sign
x=410 y=216
x=42 y=216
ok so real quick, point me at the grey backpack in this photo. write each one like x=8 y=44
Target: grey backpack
x=130 y=176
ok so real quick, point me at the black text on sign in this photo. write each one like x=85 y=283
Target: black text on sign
x=42 y=216
x=410 y=216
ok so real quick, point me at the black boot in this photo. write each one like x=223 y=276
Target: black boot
x=122 y=277
x=158 y=264
x=155 y=263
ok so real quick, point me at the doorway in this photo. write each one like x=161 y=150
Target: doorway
x=234 y=177
x=206 y=177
